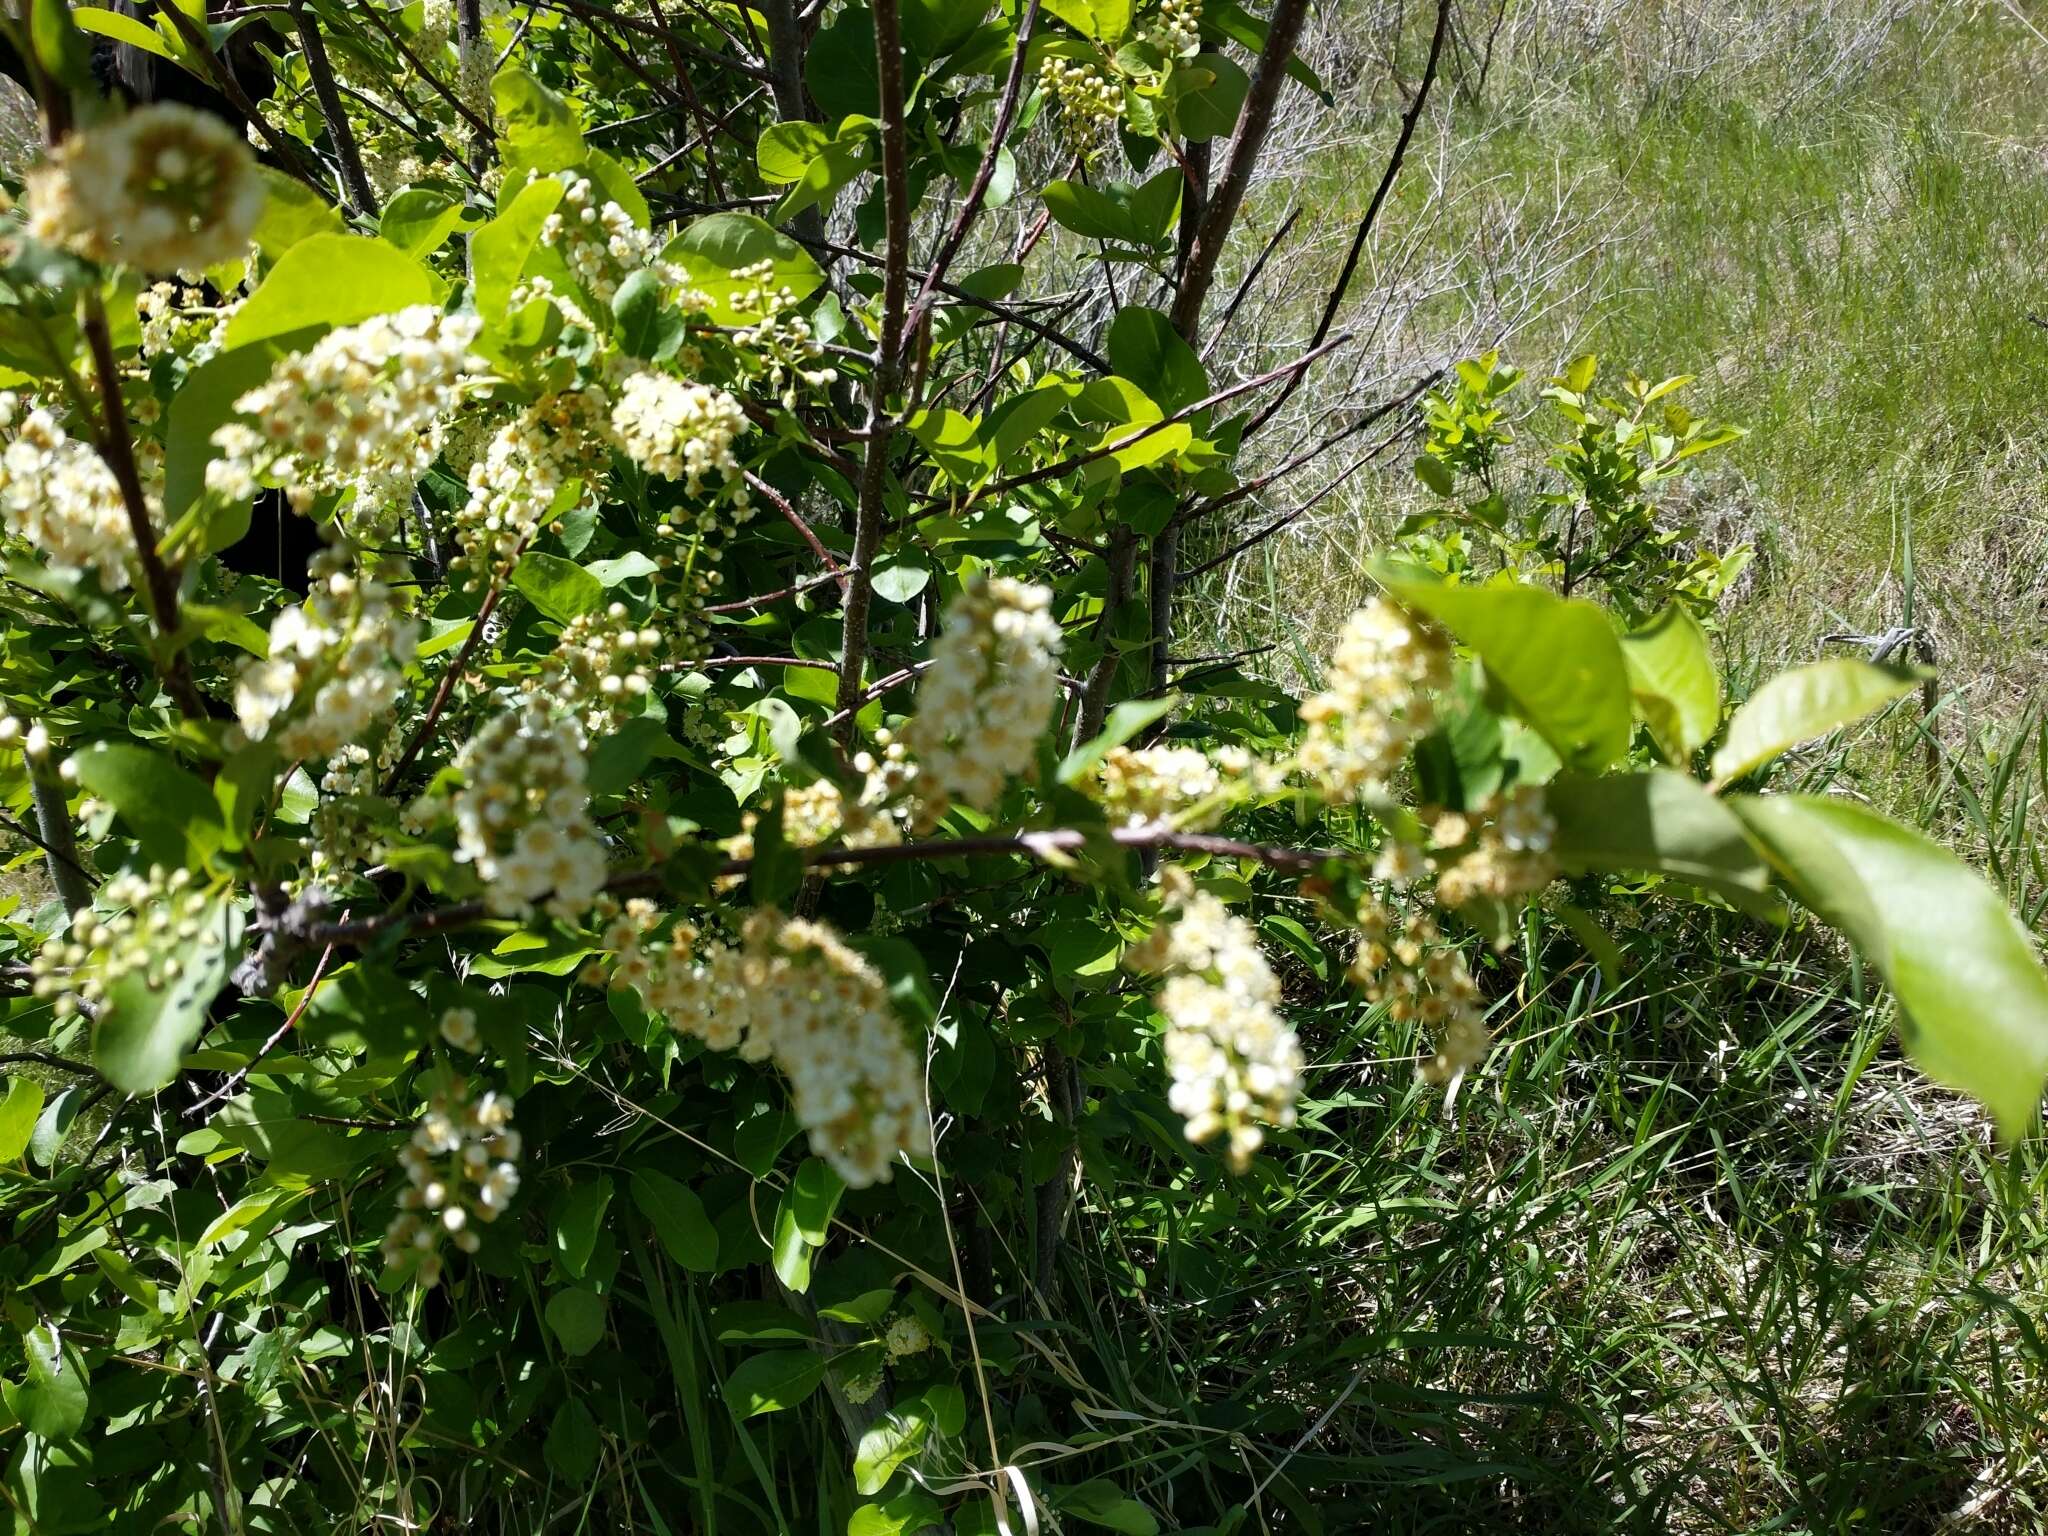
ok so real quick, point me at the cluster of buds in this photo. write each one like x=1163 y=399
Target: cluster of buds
x=778 y=346
x=1091 y=102
x=1176 y=29
x=176 y=318
x=162 y=189
x=602 y=246
x=602 y=667
x=151 y=926
x=1404 y=965
x=1376 y=701
x=1235 y=1064
x=1183 y=785
x=461 y=1168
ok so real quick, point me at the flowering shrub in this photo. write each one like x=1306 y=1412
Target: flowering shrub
x=729 y=718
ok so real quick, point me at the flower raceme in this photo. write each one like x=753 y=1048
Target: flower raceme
x=522 y=815
x=58 y=494
x=461 y=1168
x=336 y=664
x=162 y=188
x=1235 y=1063
x=362 y=409
x=1375 y=702
x=987 y=695
x=791 y=992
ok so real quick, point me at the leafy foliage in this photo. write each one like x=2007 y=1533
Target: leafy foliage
x=641 y=947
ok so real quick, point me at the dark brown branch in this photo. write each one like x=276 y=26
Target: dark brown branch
x=1104 y=450
x=346 y=153
x=425 y=730
x=47 y=1059
x=970 y=208
x=240 y=1075
x=1244 y=287
x=888 y=364
x=117 y=449
x=796 y=521
x=1052 y=843
x=1253 y=123
x=589 y=12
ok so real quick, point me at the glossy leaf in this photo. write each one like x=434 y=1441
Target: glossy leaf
x=1803 y=703
x=771 y=1382
x=1967 y=975
x=1677 y=687
x=18 y=1114
x=1555 y=659
x=329 y=280
x=686 y=1234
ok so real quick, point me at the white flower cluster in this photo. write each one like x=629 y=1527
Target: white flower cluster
x=793 y=993
x=58 y=494
x=163 y=189
x=153 y=922
x=1234 y=1061
x=1505 y=858
x=816 y=813
x=461 y=1167
x=341 y=654
x=602 y=667
x=346 y=827
x=602 y=246
x=1375 y=701
x=678 y=430
x=987 y=694
x=522 y=815
x=177 y=318
x=361 y=409
x=515 y=482
x=905 y=1336
x=1404 y=965
x=1185 y=785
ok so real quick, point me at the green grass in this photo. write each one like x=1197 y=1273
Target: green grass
x=1850 y=272
x=1699 y=1252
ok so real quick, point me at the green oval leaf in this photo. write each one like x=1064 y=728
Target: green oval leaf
x=576 y=1318
x=143 y=1031
x=1965 y=972
x=771 y=1382
x=1676 y=685
x=575 y=1220
x=18 y=1114
x=330 y=280
x=1803 y=703
x=677 y=1216
x=1555 y=659
x=713 y=249
x=1661 y=822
